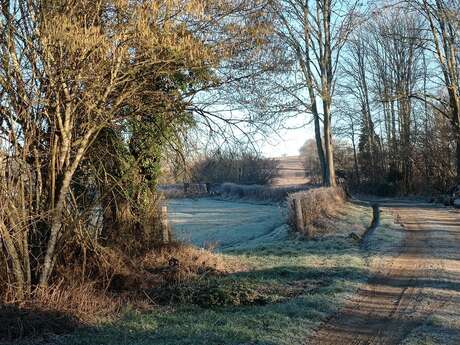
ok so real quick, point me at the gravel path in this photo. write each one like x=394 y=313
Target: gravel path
x=418 y=283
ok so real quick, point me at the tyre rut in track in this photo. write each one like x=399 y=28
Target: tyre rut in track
x=409 y=285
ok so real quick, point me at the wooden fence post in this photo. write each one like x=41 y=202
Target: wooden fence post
x=299 y=216
x=165 y=228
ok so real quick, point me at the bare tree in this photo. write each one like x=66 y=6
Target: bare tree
x=443 y=19
x=315 y=32
x=354 y=82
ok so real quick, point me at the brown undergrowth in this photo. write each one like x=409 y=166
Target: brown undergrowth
x=319 y=207
x=109 y=282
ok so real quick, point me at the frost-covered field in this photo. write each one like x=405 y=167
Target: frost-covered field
x=225 y=224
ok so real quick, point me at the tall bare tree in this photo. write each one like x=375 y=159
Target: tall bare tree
x=443 y=17
x=315 y=32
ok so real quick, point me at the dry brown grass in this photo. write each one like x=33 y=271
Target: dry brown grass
x=83 y=301
x=319 y=206
x=183 y=262
x=113 y=281
x=57 y=309
x=114 y=271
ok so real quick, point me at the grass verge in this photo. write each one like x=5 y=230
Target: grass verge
x=286 y=289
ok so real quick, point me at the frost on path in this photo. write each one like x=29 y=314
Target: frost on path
x=413 y=296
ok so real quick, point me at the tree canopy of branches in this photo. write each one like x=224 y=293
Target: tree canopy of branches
x=91 y=94
x=382 y=76
x=398 y=96
x=314 y=33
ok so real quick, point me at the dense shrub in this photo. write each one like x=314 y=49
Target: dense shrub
x=241 y=168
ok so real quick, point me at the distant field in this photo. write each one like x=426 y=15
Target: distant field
x=222 y=223
x=291 y=171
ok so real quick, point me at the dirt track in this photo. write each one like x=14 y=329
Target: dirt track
x=418 y=281
x=291 y=171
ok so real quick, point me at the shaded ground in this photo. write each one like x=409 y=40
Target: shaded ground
x=414 y=295
x=22 y=322
x=305 y=281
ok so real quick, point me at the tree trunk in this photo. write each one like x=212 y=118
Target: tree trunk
x=57 y=212
x=330 y=178
x=15 y=261
x=458 y=157
x=355 y=154
x=319 y=148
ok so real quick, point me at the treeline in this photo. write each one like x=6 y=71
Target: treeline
x=380 y=83
x=398 y=99
x=237 y=167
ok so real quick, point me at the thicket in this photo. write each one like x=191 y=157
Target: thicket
x=93 y=95
x=235 y=167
